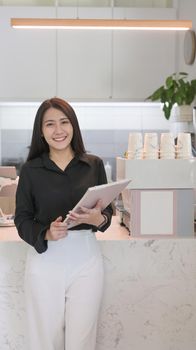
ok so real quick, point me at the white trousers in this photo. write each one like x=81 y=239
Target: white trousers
x=63 y=290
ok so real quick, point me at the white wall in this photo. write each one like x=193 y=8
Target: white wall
x=187 y=10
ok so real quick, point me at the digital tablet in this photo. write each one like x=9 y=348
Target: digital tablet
x=107 y=193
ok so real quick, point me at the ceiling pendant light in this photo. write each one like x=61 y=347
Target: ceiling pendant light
x=104 y=24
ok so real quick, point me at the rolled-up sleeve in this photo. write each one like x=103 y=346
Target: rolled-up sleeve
x=29 y=229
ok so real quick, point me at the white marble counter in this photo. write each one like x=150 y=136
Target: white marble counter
x=149 y=301
x=114 y=232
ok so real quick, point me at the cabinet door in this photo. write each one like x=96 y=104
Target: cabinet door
x=84 y=64
x=84 y=59
x=27 y=59
x=142 y=60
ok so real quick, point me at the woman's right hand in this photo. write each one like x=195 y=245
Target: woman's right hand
x=57 y=230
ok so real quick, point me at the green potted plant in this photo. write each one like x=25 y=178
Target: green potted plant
x=177 y=90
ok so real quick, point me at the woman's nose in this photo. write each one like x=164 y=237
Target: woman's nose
x=58 y=128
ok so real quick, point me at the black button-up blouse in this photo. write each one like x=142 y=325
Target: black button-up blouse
x=45 y=192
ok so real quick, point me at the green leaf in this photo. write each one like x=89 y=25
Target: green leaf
x=183 y=73
x=181 y=82
x=193 y=84
x=169 y=93
x=167 y=110
x=179 y=99
x=169 y=82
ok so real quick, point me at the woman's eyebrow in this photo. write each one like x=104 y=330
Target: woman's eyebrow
x=48 y=120
x=53 y=120
x=64 y=118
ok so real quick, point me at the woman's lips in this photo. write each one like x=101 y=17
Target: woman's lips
x=59 y=139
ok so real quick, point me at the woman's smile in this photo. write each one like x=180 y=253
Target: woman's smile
x=57 y=130
x=59 y=139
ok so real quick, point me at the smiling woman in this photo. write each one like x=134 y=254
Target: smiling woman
x=58 y=133
x=57 y=174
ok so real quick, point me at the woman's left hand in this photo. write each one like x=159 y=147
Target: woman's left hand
x=88 y=216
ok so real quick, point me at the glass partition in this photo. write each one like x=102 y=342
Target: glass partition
x=90 y=3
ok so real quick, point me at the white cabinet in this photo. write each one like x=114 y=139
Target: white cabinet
x=84 y=65
x=37 y=64
x=80 y=65
x=84 y=58
x=28 y=57
x=141 y=61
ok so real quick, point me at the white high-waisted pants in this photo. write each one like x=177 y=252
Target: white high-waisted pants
x=63 y=289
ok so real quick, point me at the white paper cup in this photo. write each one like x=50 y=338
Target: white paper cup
x=134 y=155
x=184 y=155
x=167 y=144
x=135 y=141
x=167 y=155
x=151 y=155
x=150 y=142
x=135 y=145
x=150 y=150
x=184 y=149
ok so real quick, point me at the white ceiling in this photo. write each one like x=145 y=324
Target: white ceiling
x=90 y=3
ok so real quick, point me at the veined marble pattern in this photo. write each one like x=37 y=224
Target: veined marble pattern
x=150 y=295
x=149 y=301
x=12 y=261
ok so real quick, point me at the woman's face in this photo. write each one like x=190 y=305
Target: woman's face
x=57 y=130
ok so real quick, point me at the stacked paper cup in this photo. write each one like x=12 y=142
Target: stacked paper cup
x=135 y=145
x=184 y=149
x=167 y=146
x=150 y=146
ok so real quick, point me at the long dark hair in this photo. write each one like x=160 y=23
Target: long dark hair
x=38 y=143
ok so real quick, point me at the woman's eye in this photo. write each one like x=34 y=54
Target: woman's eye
x=49 y=124
x=65 y=121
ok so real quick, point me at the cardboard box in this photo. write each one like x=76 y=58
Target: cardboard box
x=7 y=204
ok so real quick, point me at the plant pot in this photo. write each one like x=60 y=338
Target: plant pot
x=181 y=119
x=182 y=113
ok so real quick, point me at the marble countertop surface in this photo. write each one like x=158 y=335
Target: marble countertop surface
x=114 y=232
x=148 y=302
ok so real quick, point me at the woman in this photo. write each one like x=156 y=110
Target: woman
x=63 y=286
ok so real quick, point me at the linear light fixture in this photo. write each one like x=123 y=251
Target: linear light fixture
x=120 y=24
